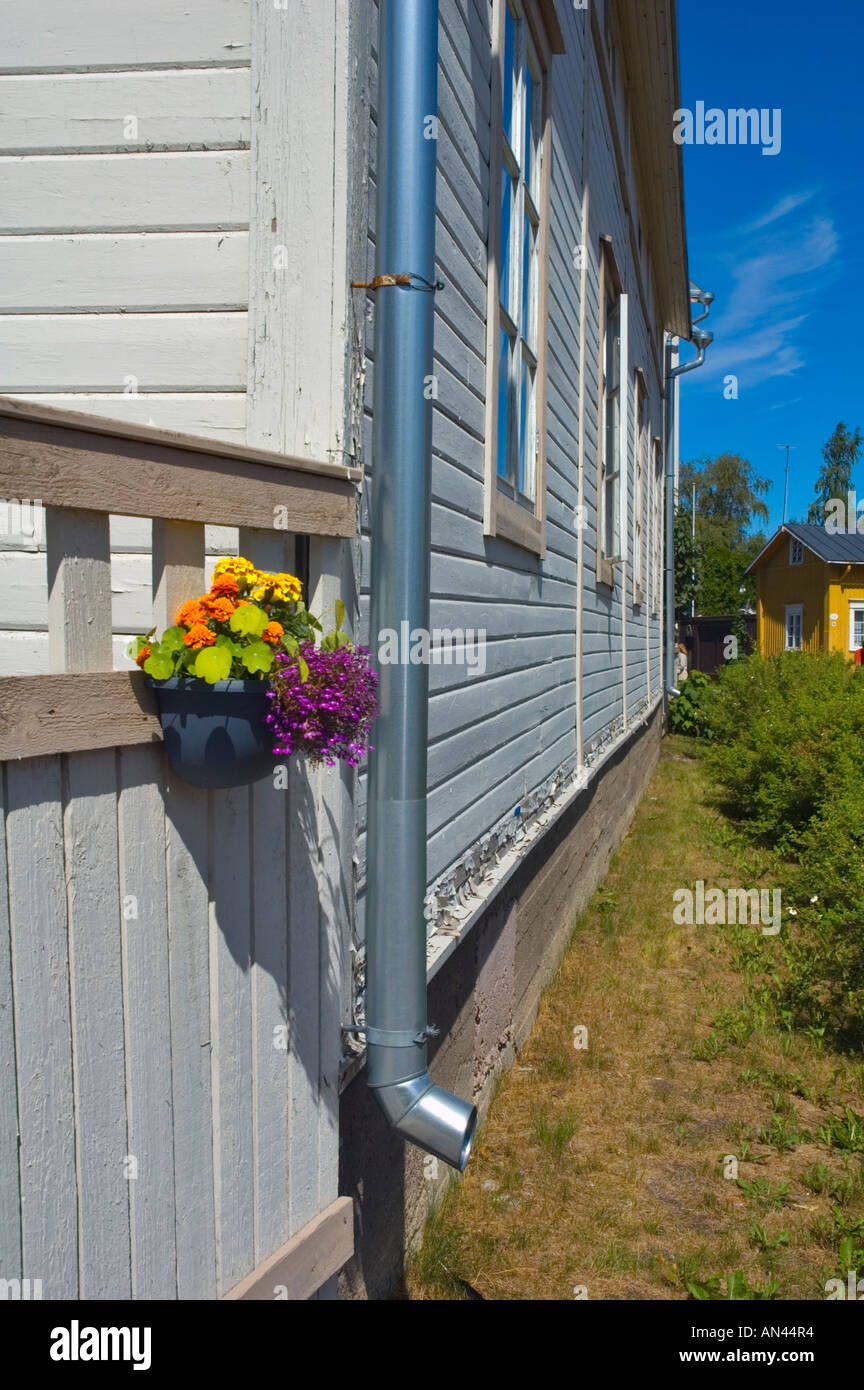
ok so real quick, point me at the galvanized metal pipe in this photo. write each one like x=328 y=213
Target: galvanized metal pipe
x=396 y=1030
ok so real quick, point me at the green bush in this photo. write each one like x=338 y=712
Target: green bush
x=787 y=735
x=688 y=711
x=781 y=728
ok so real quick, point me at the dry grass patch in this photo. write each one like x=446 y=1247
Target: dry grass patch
x=605 y=1167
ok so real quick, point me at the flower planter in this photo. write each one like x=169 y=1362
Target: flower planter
x=215 y=735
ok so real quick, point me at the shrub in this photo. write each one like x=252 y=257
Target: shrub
x=688 y=711
x=787 y=734
x=780 y=730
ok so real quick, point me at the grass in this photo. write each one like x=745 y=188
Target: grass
x=698 y=1147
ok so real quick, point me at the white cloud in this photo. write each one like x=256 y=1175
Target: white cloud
x=779 y=210
x=777 y=273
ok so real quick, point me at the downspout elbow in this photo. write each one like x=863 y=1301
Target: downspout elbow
x=429 y=1117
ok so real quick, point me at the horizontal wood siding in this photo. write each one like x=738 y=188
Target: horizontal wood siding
x=124 y=210
x=496 y=737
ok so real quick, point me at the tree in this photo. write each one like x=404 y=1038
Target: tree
x=839 y=457
x=729 y=496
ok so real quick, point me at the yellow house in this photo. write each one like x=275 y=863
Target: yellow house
x=810 y=591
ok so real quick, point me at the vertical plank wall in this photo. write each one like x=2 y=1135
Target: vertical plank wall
x=170 y=980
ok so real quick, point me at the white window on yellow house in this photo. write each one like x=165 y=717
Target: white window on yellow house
x=796 y=551
x=856 y=626
x=794 y=626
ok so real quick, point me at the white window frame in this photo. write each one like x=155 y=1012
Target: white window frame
x=793 y=610
x=855 y=606
x=658 y=484
x=796 y=551
x=612 y=481
x=640 y=490
x=515 y=501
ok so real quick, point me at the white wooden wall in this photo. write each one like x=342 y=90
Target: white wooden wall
x=124 y=209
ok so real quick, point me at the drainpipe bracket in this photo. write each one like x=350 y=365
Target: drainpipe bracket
x=394 y=1037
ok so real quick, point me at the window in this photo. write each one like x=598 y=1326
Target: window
x=515 y=502
x=856 y=626
x=659 y=538
x=794 y=623
x=643 y=448
x=613 y=422
x=796 y=551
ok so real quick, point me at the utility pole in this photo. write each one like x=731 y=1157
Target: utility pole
x=788 y=448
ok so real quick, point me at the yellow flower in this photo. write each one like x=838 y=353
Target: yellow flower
x=242 y=570
x=285 y=588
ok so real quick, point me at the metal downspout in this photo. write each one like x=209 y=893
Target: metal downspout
x=396 y=1030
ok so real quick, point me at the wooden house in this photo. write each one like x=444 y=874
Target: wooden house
x=810 y=590
x=188 y=193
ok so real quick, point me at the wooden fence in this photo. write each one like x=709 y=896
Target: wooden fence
x=172 y=975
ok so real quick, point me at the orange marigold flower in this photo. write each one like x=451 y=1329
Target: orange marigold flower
x=143 y=655
x=225 y=585
x=193 y=611
x=199 y=636
x=273 y=632
x=220 y=608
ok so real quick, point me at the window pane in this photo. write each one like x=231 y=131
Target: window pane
x=611 y=518
x=610 y=460
x=613 y=345
x=530 y=284
x=527 y=140
x=535 y=137
x=507 y=195
x=858 y=640
x=503 y=397
x=509 y=79
x=528 y=431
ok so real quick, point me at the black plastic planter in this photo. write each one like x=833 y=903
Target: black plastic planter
x=215 y=735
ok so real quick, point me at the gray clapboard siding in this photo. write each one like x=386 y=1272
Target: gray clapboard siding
x=124 y=111
x=98 y=352
x=180 y=192
x=158 y=272
x=90 y=35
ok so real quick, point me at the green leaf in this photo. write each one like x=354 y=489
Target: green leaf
x=340 y=612
x=304 y=669
x=223 y=640
x=249 y=620
x=257 y=657
x=159 y=664
x=213 y=664
x=172 y=639
x=290 y=644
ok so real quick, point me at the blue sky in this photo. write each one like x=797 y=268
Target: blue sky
x=777 y=238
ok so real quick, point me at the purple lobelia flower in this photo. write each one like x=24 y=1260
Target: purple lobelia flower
x=328 y=716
